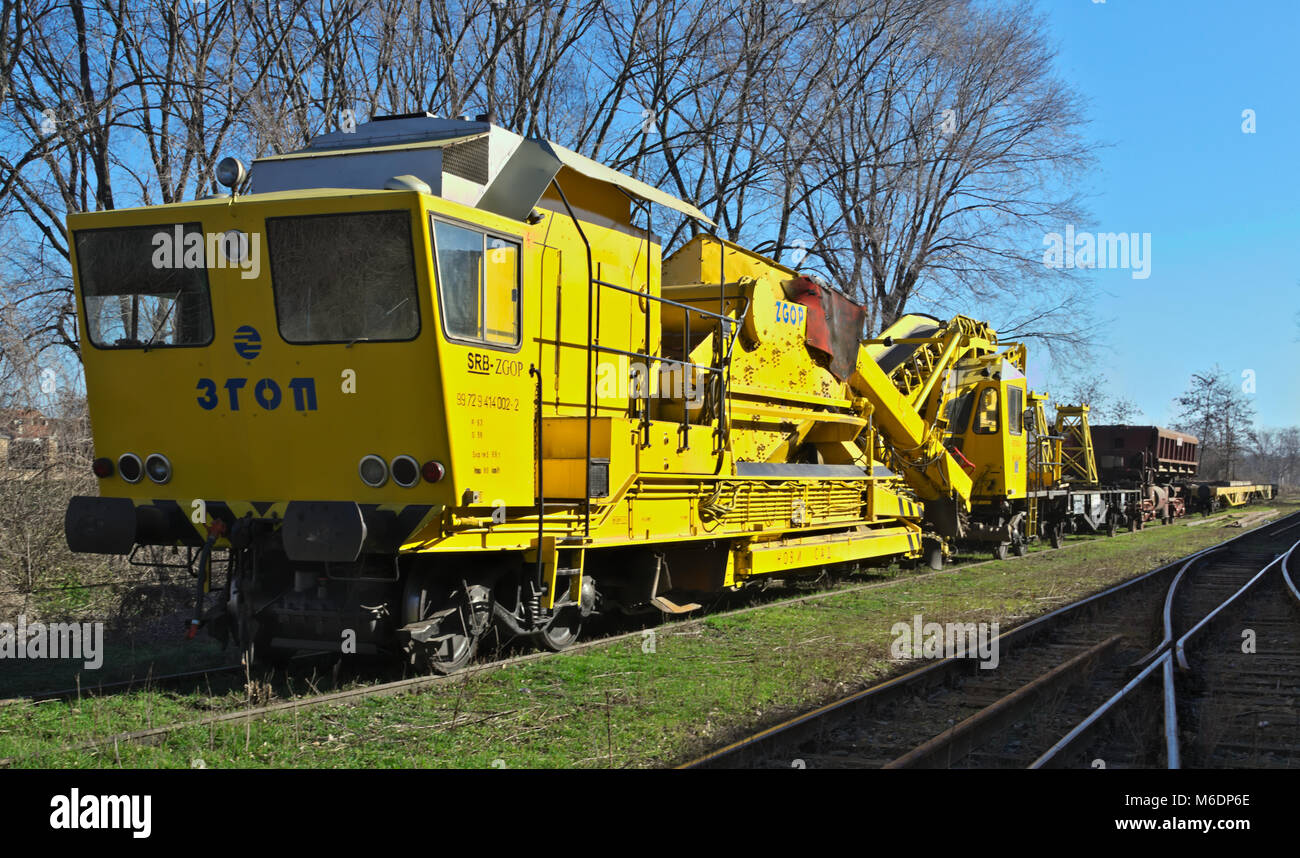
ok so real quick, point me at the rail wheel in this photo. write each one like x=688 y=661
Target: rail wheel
x=1020 y=549
x=1057 y=536
x=934 y=556
x=1111 y=529
x=561 y=632
x=253 y=633
x=1000 y=552
x=260 y=653
x=462 y=612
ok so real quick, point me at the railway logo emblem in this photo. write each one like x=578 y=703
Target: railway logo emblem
x=248 y=342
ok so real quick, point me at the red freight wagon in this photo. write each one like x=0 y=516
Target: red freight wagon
x=1143 y=454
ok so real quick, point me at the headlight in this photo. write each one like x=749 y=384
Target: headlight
x=128 y=465
x=158 y=467
x=373 y=470
x=406 y=471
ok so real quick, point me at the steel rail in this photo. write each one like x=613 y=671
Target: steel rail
x=1173 y=749
x=958 y=741
x=956 y=662
x=1181 y=644
x=946 y=665
x=1173 y=753
x=124 y=684
x=1083 y=727
x=420 y=683
x=1286 y=575
x=1163 y=656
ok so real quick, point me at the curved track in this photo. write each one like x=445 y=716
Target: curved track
x=1056 y=677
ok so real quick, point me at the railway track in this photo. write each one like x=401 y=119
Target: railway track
x=181 y=679
x=414 y=684
x=170 y=681
x=1222 y=688
x=423 y=682
x=147 y=682
x=1057 y=676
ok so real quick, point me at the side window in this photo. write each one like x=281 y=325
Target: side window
x=958 y=412
x=1015 y=409
x=986 y=414
x=478 y=284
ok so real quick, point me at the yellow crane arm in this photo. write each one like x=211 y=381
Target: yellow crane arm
x=927 y=466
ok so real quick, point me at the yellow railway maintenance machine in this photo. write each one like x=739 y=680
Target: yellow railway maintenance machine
x=956 y=418
x=431 y=376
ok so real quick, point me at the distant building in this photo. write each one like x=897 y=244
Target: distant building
x=24 y=423
x=29 y=439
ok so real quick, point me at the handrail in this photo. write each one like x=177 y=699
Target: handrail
x=593 y=346
x=586 y=501
x=728 y=331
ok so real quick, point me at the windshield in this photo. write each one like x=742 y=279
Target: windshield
x=136 y=295
x=344 y=278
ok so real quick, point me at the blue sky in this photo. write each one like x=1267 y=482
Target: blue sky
x=1167 y=81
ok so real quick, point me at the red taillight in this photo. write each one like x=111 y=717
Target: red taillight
x=433 y=471
x=103 y=468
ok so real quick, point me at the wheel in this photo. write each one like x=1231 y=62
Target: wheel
x=260 y=653
x=1000 y=552
x=1057 y=538
x=1111 y=529
x=1020 y=549
x=934 y=556
x=462 y=614
x=1133 y=525
x=562 y=631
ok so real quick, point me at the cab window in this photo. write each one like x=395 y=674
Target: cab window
x=145 y=287
x=344 y=278
x=958 y=412
x=1015 y=409
x=478 y=284
x=986 y=413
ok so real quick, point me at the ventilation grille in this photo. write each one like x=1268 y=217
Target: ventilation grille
x=468 y=160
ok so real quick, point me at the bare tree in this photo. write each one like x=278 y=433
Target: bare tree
x=123 y=104
x=1090 y=390
x=940 y=177
x=1222 y=418
x=1123 y=410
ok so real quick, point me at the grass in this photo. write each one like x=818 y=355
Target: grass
x=648 y=701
